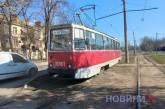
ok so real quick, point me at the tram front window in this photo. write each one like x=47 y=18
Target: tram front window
x=60 y=40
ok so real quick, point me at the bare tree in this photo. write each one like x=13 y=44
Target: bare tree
x=147 y=44
x=50 y=7
x=66 y=14
x=151 y=44
x=10 y=9
x=28 y=31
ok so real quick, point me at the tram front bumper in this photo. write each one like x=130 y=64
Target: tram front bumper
x=67 y=73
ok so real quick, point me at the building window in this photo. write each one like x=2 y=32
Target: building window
x=6 y=29
x=15 y=42
x=14 y=30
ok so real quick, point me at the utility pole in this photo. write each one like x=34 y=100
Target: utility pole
x=156 y=44
x=125 y=33
x=134 y=43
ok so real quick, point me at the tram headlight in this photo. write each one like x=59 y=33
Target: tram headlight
x=69 y=66
x=50 y=65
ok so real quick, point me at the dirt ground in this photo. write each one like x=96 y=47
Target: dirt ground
x=46 y=92
x=152 y=84
x=55 y=93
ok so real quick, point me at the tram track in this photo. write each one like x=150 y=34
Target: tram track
x=148 y=75
x=154 y=64
x=138 y=90
x=137 y=87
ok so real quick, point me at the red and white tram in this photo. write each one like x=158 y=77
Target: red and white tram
x=78 y=52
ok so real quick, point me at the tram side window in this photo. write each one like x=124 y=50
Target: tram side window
x=79 y=41
x=110 y=44
x=115 y=45
x=106 y=43
x=88 y=37
x=118 y=46
x=99 y=42
x=90 y=40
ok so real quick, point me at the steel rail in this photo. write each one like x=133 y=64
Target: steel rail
x=138 y=103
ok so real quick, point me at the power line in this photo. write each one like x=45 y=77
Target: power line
x=135 y=10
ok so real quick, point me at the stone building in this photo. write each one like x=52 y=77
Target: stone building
x=26 y=37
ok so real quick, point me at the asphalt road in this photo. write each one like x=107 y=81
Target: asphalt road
x=10 y=86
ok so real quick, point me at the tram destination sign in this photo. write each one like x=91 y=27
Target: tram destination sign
x=61 y=32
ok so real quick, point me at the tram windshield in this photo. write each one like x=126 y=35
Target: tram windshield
x=60 y=39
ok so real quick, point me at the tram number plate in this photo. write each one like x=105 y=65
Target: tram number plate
x=59 y=64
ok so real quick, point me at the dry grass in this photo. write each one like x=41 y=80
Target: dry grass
x=160 y=59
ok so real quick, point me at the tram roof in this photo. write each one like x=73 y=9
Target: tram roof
x=83 y=27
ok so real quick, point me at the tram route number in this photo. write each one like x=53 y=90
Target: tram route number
x=59 y=64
